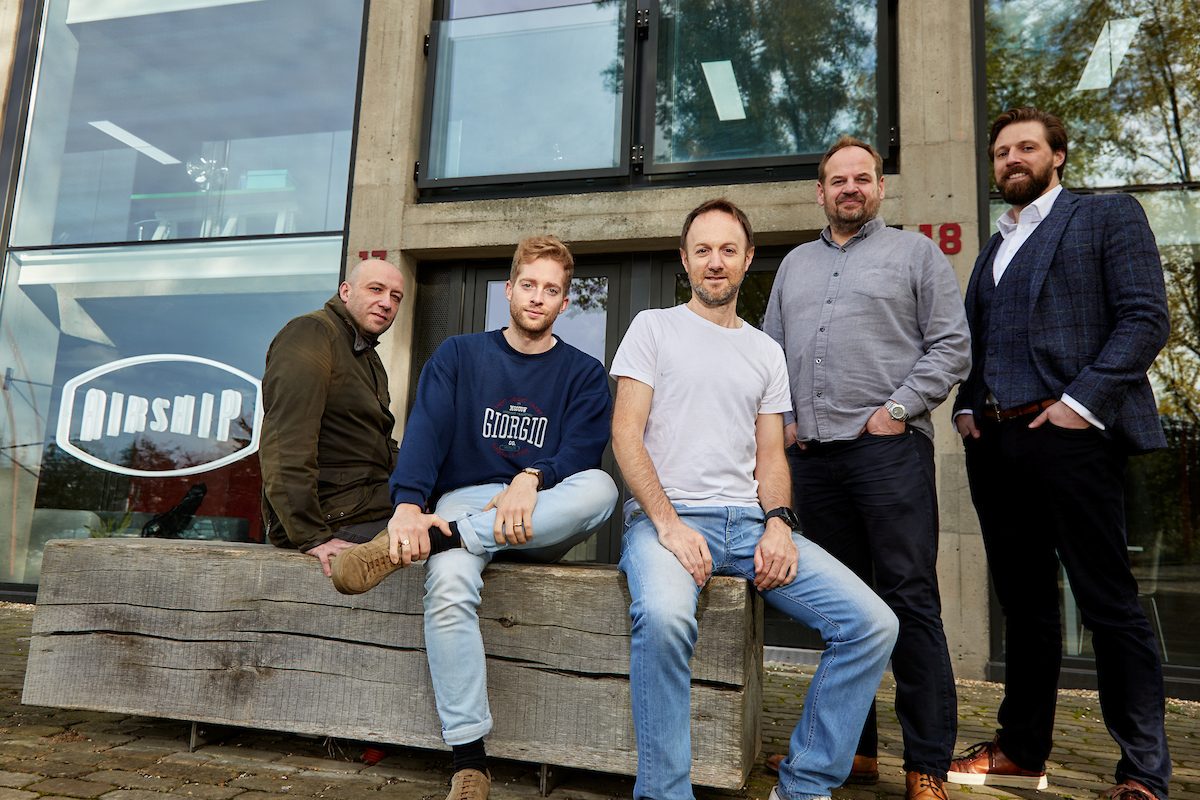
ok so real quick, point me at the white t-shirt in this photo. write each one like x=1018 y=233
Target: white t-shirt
x=710 y=384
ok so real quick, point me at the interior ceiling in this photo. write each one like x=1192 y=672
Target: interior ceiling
x=226 y=72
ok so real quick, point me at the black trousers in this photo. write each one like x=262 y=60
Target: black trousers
x=1049 y=496
x=872 y=503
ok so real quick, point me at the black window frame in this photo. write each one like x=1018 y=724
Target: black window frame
x=636 y=169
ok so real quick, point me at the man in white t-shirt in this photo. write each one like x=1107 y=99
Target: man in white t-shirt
x=698 y=434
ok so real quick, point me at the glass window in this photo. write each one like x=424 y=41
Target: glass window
x=160 y=120
x=133 y=387
x=745 y=79
x=527 y=87
x=639 y=91
x=1124 y=75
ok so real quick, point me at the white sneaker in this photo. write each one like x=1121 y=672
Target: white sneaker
x=775 y=795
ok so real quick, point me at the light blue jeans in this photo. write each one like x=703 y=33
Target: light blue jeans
x=858 y=628
x=564 y=516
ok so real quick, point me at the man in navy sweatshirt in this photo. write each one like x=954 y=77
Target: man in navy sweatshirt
x=504 y=444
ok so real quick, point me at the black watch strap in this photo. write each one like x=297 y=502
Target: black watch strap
x=786 y=514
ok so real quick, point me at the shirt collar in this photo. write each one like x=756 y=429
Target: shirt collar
x=362 y=342
x=1033 y=213
x=863 y=232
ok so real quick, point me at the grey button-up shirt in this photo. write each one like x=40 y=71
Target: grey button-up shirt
x=877 y=318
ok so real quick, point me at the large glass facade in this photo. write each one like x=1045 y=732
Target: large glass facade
x=216 y=119
x=1125 y=77
x=181 y=195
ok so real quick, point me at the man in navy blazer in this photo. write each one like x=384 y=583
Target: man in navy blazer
x=1067 y=310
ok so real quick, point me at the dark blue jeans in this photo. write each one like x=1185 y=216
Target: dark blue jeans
x=1048 y=496
x=871 y=502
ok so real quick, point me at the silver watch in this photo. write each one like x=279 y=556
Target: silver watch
x=896 y=411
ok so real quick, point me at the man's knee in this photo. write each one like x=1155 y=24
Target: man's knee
x=598 y=491
x=453 y=580
x=663 y=621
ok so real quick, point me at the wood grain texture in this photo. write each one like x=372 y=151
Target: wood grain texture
x=254 y=636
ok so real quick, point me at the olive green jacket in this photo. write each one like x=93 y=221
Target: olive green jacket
x=326 y=449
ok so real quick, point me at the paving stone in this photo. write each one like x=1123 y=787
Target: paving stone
x=49 y=769
x=195 y=773
x=322 y=764
x=70 y=787
x=15 y=780
x=134 y=794
x=205 y=791
x=16 y=794
x=125 y=779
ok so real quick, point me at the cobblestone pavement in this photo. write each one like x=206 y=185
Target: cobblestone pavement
x=60 y=754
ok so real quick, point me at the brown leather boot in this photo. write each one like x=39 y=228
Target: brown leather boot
x=922 y=786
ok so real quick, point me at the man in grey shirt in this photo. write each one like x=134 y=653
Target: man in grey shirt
x=872 y=324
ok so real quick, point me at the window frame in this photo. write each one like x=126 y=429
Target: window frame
x=421 y=171
x=636 y=169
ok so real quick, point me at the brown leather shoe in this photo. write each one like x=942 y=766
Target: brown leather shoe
x=986 y=765
x=362 y=567
x=470 y=784
x=1128 y=789
x=865 y=770
x=922 y=786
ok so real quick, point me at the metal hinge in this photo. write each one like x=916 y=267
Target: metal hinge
x=637 y=155
x=416 y=171
x=894 y=134
x=642 y=24
x=427 y=44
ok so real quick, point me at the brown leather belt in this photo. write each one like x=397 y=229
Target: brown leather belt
x=998 y=415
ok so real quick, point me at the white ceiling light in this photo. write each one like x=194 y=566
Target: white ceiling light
x=1111 y=46
x=95 y=10
x=723 y=86
x=125 y=137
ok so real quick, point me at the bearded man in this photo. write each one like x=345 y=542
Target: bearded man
x=1068 y=311
x=871 y=321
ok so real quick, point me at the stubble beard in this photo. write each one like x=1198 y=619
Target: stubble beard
x=530 y=331
x=712 y=300
x=851 y=222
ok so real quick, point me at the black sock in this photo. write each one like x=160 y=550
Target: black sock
x=470 y=756
x=440 y=542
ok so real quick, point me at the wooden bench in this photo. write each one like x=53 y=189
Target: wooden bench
x=253 y=636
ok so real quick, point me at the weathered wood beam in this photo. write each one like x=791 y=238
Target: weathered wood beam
x=254 y=636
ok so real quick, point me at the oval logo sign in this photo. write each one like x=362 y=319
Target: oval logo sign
x=160 y=416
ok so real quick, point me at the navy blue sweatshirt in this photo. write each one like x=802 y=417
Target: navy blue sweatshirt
x=485 y=411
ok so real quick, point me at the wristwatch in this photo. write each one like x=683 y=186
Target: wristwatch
x=896 y=411
x=786 y=514
x=537 y=473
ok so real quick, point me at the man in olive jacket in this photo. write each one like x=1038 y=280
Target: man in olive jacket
x=327 y=449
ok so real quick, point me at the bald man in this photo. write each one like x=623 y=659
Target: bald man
x=327 y=449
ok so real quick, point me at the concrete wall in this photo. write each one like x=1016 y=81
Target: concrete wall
x=935 y=185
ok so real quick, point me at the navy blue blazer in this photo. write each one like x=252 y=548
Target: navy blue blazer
x=1098 y=313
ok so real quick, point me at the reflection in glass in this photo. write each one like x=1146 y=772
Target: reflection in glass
x=70 y=312
x=583 y=324
x=224 y=119
x=531 y=91
x=758 y=78
x=1124 y=75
